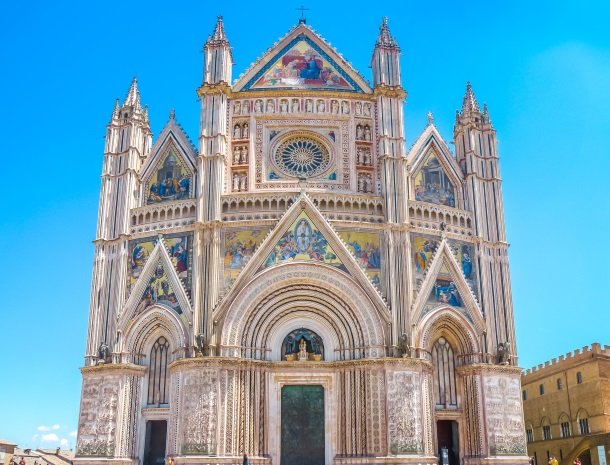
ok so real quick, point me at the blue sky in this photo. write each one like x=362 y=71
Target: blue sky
x=542 y=67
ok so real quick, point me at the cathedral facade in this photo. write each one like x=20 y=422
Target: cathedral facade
x=300 y=287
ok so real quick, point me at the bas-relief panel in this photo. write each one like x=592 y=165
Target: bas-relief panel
x=366 y=248
x=505 y=429
x=433 y=185
x=303 y=241
x=240 y=245
x=199 y=412
x=404 y=413
x=180 y=249
x=97 y=421
x=302 y=66
x=171 y=180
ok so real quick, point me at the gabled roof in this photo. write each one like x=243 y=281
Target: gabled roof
x=290 y=53
x=432 y=138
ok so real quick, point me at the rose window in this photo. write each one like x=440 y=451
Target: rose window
x=302 y=157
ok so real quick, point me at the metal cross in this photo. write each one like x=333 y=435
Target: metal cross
x=303 y=9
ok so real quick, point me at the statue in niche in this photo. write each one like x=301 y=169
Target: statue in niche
x=235 y=155
x=309 y=106
x=270 y=106
x=243 y=155
x=243 y=182
x=235 y=182
x=201 y=344
x=245 y=108
x=103 y=353
x=367 y=109
x=403 y=345
x=367 y=157
x=321 y=106
x=237 y=132
x=367 y=133
x=258 y=106
x=283 y=106
x=295 y=106
x=334 y=107
x=359 y=133
x=345 y=107
x=358 y=108
x=504 y=353
x=237 y=108
x=246 y=131
x=302 y=344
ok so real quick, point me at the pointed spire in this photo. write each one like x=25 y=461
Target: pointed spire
x=470 y=101
x=133 y=96
x=117 y=110
x=485 y=114
x=385 y=38
x=218 y=37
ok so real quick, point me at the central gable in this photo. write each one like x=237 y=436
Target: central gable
x=302 y=60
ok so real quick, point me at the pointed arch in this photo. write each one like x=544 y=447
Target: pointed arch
x=159 y=257
x=444 y=260
x=445 y=322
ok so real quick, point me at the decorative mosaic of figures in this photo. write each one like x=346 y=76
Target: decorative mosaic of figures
x=363 y=156
x=334 y=107
x=240 y=182
x=365 y=183
x=240 y=155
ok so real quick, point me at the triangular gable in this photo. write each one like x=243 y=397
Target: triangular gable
x=445 y=286
x=335 y=251
x=303 y=241
x=168 y=172
x=302 y=60
x=158 y=284
x=436 y=175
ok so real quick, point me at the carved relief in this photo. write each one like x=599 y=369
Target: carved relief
x=97 y=422
x=404 y=416
x=505 y=427
x=200 y=413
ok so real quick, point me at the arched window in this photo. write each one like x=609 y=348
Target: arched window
x=579 y=378
x=529 y=432
x=583 y=422
x=546 y=429
x=444 y=374
x=157 y=373
x=564 y=423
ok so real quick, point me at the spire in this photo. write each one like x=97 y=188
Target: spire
x=385 y=38
x=117 y=110
x=218 y=37
x=133 y=96
x=470 y=101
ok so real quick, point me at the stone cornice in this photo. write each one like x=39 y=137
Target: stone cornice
x=247 y=363
x=390 y=91
x=113 y=368
x=483 y=368
x=253 y=94
x=212 y=89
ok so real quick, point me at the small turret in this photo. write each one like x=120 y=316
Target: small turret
x=386 y=58
x=218 y=61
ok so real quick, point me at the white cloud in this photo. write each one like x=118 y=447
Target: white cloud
x=55 y=426
x=51 y=437
x=64 y=442
x=73 y=434
x=43 y=428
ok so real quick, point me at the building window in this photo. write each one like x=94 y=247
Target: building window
x=579 y=378
x=524 y=394
x=565 y=429
x=583 y=423
x=546 y=432
x=530 y=434
x=559 y=384
x=541 y=389
x=157 y=372
x=443 y=360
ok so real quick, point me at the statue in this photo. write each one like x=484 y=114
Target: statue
x=103 y=353
x=295 y=106
x=237 y=132
x=367 y=109
x=258 y=106
x=270 y=106
x=236 y=155
x=367 y=132
x=246 y=131
x=200 y=342
x=334 y=107
x=321 y=106
x=245 y=109
x=316 y=344
x=284 y=106
x=504 y=353
x=358 y=108
x=308 y=106
x=237 y=108
x=403 y=345
x=359 y=133
x=345 y=107
x=303 y=349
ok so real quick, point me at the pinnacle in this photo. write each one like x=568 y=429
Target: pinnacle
x=218 y=37
x=470 y=101
x=385 y=38
x=133 y=96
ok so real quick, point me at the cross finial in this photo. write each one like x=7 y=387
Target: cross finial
x=302 y=19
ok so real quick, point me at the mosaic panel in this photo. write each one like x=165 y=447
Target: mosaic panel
x=171 y=180
x=366 y=247
x=239 y=247
x=433 y=185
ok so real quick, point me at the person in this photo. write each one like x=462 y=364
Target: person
x=245 y=461
x=22 y=461
x=576 y=461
